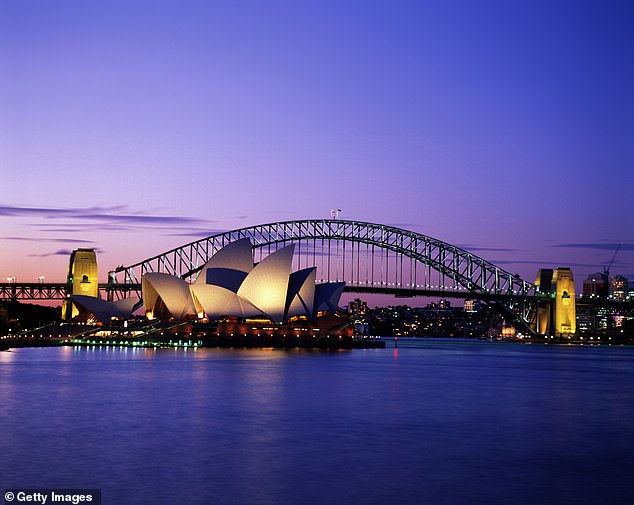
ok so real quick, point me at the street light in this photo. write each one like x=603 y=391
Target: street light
x=41 y=279
x=11 y=279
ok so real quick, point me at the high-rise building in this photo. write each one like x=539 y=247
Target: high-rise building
x=596 y=285
x=357 y=307
x=618 y=288
x=471 y=305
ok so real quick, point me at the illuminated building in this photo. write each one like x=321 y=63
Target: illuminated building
x=596 y=285
x=357 y=307
x=618 y=288
x=230 y=285
x=471 y=305
x=508 y=331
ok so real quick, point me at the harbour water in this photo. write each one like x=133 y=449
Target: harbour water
x=432 y=422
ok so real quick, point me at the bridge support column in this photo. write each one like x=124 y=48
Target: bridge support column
x=557 y=317
x=82 y=279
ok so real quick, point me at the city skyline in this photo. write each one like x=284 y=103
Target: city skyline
x=505 y=129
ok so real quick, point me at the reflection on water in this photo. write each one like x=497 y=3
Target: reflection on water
x=430 y=422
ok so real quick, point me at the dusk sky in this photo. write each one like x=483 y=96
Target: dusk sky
x=504 y=127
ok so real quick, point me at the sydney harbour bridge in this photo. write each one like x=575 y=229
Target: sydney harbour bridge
x=369 y=258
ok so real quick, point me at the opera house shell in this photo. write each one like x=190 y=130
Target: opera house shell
x=92 y=308
x=231 y=285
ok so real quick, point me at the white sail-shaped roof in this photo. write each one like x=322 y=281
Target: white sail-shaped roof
x=216 y=301
x=103 y=310
x=300 y=298
x=242 y=307
x=266 y=286
x=236 y=255
x=164 y=290
x=327 y=296
x=211 y=300
x=126 y=305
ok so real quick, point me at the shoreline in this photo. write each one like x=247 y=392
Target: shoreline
x=275 y=341
x=248 y=341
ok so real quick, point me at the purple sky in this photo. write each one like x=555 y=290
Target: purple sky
x=504 y=127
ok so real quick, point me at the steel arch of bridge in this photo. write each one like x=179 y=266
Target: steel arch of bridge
x=368 y=257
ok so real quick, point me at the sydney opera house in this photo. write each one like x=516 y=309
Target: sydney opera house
x=230 y=285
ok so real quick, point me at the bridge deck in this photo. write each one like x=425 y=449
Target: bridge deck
x=58 y=291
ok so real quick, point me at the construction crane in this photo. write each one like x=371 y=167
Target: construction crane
x=606 y=270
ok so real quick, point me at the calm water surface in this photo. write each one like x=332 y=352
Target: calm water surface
x=432 y=422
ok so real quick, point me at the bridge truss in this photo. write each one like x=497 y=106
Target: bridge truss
x=367 y=257
x=32 y=291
